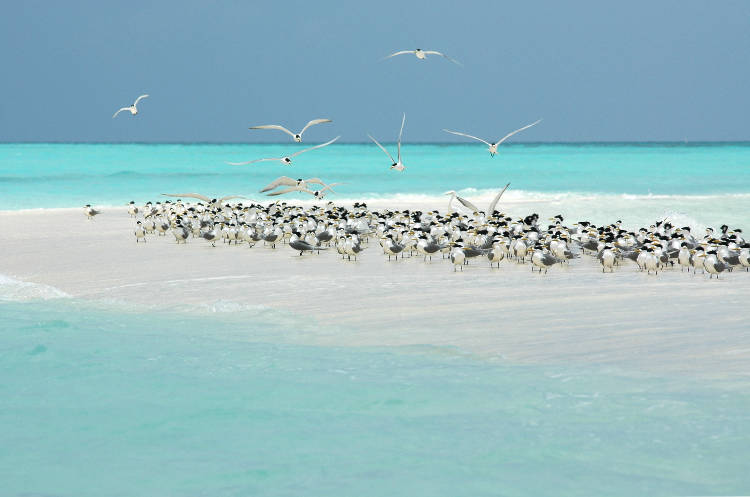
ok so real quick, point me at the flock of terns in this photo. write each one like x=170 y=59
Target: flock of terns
x=463 y=234
x=397 y=164
x=459 y=236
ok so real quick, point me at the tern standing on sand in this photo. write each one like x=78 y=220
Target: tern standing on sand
x=133 y=109
x=493 y=146
x=397 y=164
x=90 y=211
x=298 y=136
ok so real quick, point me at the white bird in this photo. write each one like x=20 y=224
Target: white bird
x=299 y=184
x=140 y=232
x=397 y=165
x=473 y=208
x=298 y=136
x=218 y=201
x=713 y=265
x=285 y=160
x=607 y=259
x=543 y=260
x=458 y=257
x=651 y=261
x=133 y=109
x=422 y=54
x=315 y=193
x=496 y=254
x=493 y=146
x=90 y=211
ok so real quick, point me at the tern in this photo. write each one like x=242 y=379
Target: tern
x=298 y=136
x=397 y=165
x=493 y=146
x=133 y=109
x=285 y=160
x=457 y=255
x=297 y=243
x=298 y=184
x=542 y=259
x=318 y=194
x=90 y=211
x=139 y=232
x=473 y=208
x=422 y=54
x=218 y=201
x=132 y=209
x=713 y=265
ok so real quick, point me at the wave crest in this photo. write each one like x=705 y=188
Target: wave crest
x=13 y=290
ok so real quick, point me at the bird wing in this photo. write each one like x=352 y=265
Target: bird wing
x=139 y=99
x=399 y=136
x=330 y=187
x=549 y=259
x=191 y=195
x=315 y=181
x=229 y=197
x=495 y=200
x=433 y=52
x=518 y=130
x=467 y=136
x=313 y=123
x=273 y=126
x=382 y=148
x=251 y=161
x=402 y=52
x=282 y=192
x=295 y=154
x=467 y=204
x=283 y=180
x=124 y=108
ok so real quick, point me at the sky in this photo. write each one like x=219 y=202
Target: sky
x=592 y=70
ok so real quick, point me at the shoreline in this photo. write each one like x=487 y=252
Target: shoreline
x=671 y=323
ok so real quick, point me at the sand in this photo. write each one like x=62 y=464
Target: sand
x=674 y=323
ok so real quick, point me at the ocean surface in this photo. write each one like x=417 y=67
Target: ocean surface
x=106 y=398
x=711 y=180
x=101 y=399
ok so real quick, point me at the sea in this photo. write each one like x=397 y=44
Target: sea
x=706 y=184
x=101 y=398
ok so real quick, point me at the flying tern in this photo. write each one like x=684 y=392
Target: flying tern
x=493 y=146
x=133 y=109
x=422 y=54
x=473 y=208
x=397 y=165
x=287 y=159
x=203 y=197
x=298 y=136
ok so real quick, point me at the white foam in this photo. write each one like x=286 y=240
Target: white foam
x=635 y=210
x=13 y=290
x=228 y=306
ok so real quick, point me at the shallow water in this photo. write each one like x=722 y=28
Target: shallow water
x=107 y=400
x=65 y=175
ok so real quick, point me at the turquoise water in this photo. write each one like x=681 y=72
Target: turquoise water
x=101 y=400
x=71 y=175
x=98 y=399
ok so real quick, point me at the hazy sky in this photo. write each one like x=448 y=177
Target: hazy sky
x=594 y=70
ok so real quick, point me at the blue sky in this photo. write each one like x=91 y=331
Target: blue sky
x=595 y=71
